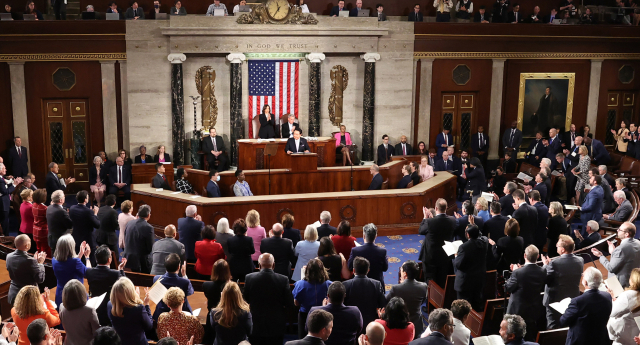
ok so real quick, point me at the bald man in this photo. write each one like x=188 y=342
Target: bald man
x=403 y=148
x=374 y=336
x=24 y=269
x=280 y=248
x=269 y=297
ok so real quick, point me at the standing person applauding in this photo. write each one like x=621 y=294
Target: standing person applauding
x=30 y=305
x=267 y=123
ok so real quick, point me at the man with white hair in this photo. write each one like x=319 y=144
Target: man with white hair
x=52 y=181
x=23 y=269
x=289 y=126
x=588 y=314
x=58 y=220
x=591 y=235
x=625 y=257
x=5 y=198
x=513 y=329
x=376 y=181
x=603 y=172
x=325 y=229
x=189 y=229
x=623 y=211
x=441 y=326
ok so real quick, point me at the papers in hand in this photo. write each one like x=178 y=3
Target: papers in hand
x=523 y=176
x=157 y=291
x=195 y=312
x=555 y=173
x=561 y=306
x=614 y=285
x=487 y=196
x=316 y=224
x=493 y=339
x=95 y=302
x=572 y=207
x=451 y=248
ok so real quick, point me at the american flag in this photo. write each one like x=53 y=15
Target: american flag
x=274 y=83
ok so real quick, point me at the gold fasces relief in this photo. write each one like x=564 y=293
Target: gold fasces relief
x=339 y=82
x=205 y=76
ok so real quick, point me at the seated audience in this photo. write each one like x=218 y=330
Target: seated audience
x=625 y=257
x=482 y=16
x=31 y=9
x=557 y=226
x=189 y=229
x=269 y=298
x=621 y=325
x=240 y=250
x=348 y=320
x=40 y=227
x=207 y=252
x=172 y=279
x=182 y=184
x=333 y=262
x=406 y=177
x=213 y=190
x=98 y=179
x=101 y=280
x=421 y=150
x=343 y=241
x=310 y=291
x=182 y=327
x=236 y=8
x=136 y=12
x=415 y=173
x=108 y=217
x=622 y=212
x=325 y=229
x=621 y=185
x=460 y=309
x=464 y=9
x=376 y=256
x=354 y=11
x=535 y=17
x=79 y=320
x=255 y=231
x=143 y=157
x=129 y=315
x=482 y=207
x=39 y=333
x=231 y=318
x=241 y=187
x=216 y=6
x=139 y=240
x=123 y=219
x=305 y=251
x=363 y=292
x=30 y=305
x=412 y=292
x=163 y=247
x=335 y=10
x=220 y=276
x=161 y=156
x=289 y=232
x=376 y=181
x=590 y=237
x=68 y=265
x=441 y=325
x=280 y=248
x=395 y=319
x=425 y=169
x=24 y=269
x=160 y=179
x=120 y=179
x=177 y=9
x=223 y=233
x=587 y=314
x=403 y=148
x=123 y=154
x=343 y=144
x=113 y=8
x=508 y=250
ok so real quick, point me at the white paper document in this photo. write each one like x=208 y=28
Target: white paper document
x=614 y=285
x=195 y=196
x=487 y=196
x=637 y=320
x=95 y=302
x=493 y=339
x=523 y=176
x=572 y=207
x=157 y=291
x=451 y=248
x=561 y=306
x=556 y=173
x=196 y=312
x=159 y=189
x=176 y=192
x=316 y=224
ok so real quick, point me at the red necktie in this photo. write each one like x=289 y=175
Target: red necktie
x=164 y=178
x=404 y=150
x=19 y=152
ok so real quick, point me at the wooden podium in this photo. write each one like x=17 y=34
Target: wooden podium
x=303 y=162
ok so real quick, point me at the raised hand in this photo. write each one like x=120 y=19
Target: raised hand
x=145 y=301
x=183 y=269
x=45 y=294
x=122 y=264
x=40 y=257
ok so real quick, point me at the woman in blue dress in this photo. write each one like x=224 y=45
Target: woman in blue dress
x=67 y=264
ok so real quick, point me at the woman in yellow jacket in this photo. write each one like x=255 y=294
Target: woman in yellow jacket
x=619 y=136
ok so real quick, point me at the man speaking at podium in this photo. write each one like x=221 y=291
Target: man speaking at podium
x=297 y=144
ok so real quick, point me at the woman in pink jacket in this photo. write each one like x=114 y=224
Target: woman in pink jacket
x=343 y=143
x=426 y=170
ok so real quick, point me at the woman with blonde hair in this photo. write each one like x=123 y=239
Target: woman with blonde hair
x=130 y=316
x=256 y=232
x=67 y=264
x=426 y=170
x=97 y=178
x=231 y=317
x=28 y=306
x=306 y=250
x=482 y=206
x=582 y=171
x=123 y=218
x=626 y=307
x=78 y=320
x=180 y=325
x=161 y=156
x=557 y=226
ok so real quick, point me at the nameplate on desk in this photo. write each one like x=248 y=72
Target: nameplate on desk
x=195 y=196
x=159 y=189
x=176 y=192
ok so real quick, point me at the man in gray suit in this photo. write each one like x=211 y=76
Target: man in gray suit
x=563 y=278
x=23 y=269
x=58 y=220
x=413 y=292
x=162 y=248
x=138 y=241
x=624 y=258
x=623 y=211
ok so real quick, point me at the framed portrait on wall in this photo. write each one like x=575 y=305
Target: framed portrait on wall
x=545 y=102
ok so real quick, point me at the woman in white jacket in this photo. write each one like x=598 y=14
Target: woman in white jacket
x=622 y=326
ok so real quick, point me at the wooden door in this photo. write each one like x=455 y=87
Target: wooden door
x=66 y=138
x=620 y=106
x=459 y=114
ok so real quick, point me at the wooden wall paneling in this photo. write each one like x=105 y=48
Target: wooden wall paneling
x=39 y=87
x=609 y=81
x=6 y=129
x=480 y=82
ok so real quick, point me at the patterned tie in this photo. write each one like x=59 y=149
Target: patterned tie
x=19 y=152
x=404 y=149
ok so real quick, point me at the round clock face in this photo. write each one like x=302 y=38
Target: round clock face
x=278 y=9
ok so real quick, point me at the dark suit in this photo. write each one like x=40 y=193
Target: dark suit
x=435 y=261
x=384 y=155
x=147 y=159
x=413 y=17
x=287 y=132
x=540 y=152
x=525 y=286
x=282 y=251
x=587 y=318
x=23 y=270
x=160 y=181
x=442 y=165
x=84 y=222
x=568 y=139
x=324 y=230
x=478 y=18
x=166 y=156
x=511 y=141
x=471 y=268
x=475 y=180
x=377 y=260
x=292 y=234
x=414 y=293
x=52 y=184
x=347 y=323
x=527 y=217
x=589 y=239
x=125 y=178
x=506 y=203
x=508 y=250
x=376 y=182
x=440 y=140
x=267 y=128
x=494 y=227
x=335 y=11
x=302 y=145
x=599 y=153
x=592 y=205
x=435 y=338
x=542 y=189
x=404 y=182
x=189 y=230
x=101 y=280
x=631 y=144
x=515 y=17
x=308 y=340
x=120 y=14
x=213 y=190
x=18 y=162
x=415 y=177
x=553 y=149
x=367 y=294
x=5 y=204
x=240 y=250
x=509 y=166
x=269 y=296
x=106 y=234
x=540 y=236
x=399 y=152
x=354 y=12
x=139 y=238
x=207 y=147
x=461 y=226
x=59 y=223
x=480 y=145
x=131 y=13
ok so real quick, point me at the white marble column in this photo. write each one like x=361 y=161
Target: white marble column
x=109 y=109
x=124 y=102
x=495 y=110
x=424 y=119
x=19 y=104
x=594 y=93
x=412 y=140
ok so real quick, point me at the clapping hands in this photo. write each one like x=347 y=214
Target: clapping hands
x=10 y=332
x=122 y=264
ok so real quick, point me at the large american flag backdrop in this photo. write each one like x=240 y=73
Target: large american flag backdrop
x=274 y=83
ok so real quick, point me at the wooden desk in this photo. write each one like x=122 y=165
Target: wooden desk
x=410 y=158
x=251 y=153
x=144 y=173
